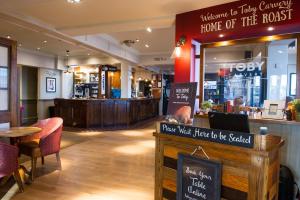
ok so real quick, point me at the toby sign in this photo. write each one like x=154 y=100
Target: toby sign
x=249 y=66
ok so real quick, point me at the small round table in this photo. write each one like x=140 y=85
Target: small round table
x=16 y=132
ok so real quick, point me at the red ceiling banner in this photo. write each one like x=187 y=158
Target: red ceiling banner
x=241 y=19
x=237 y=20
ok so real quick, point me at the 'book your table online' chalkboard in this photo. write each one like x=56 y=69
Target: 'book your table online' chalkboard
x=198 y=179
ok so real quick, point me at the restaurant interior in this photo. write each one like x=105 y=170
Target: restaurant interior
x=149 y=100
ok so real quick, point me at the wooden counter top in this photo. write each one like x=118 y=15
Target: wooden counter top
x=263 y=121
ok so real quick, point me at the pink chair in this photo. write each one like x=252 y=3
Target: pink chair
x=47 y=142
x=9 y=163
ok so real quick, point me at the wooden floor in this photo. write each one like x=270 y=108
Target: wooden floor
x=108 y=166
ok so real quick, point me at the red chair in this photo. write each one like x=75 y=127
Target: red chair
x=44 y=143
x=9 y=163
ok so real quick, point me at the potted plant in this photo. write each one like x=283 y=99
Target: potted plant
x=206 y=106
x=296 y=104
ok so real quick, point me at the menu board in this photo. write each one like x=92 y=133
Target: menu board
x=182 y=101
x=198 y=179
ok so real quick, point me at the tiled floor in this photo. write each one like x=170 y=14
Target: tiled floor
x=109 y=165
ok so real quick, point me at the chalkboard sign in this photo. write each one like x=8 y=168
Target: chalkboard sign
x=212 y=135
x=198 y=179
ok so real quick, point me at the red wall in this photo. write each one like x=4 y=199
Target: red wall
x=189 y=25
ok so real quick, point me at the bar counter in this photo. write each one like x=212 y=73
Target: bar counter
x=288 y=130
x=105 y=113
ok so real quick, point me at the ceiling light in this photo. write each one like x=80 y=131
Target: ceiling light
x=88 y=54
x=271 y=28
x=279 y=51
x=147 y=45
x=149 y=29
x=45 y=41
x=221 y=35
x=215 y=58
x=38 y=48
x=74 y=1
x=8 y=36
x=19 y=44
x=137 y=40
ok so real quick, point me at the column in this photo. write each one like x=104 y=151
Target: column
x=126 y=72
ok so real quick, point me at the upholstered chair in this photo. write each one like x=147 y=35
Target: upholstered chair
x=9 y=163
x=45 y=143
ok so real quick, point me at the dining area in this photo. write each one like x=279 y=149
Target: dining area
x=35 y=142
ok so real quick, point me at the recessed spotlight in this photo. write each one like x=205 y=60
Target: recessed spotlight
x=271 y=28
x=19 y=44
x=74 y=1
x=215 y=58
x=45 y=41
x=38 y=48
x=88 y=54
x=149 y=29
x=137 y=40
x=147 y=45
x=8 y=36
x=221 y=35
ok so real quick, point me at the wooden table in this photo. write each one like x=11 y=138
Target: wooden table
x=16 y=132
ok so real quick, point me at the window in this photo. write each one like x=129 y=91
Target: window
x=252 y=72
x=4 y=78
x=293 y=84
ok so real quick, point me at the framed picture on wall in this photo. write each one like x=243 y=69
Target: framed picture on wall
x=273 y=109
x=50 y=85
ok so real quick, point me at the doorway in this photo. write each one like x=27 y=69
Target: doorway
x=29 y=95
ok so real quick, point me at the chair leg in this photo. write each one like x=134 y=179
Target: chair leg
x=43 y=160
x=58 y=160
x=33 y=167
x=18 y=180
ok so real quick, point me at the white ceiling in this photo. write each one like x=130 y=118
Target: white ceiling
x=31 y=39
x=160 y=40
x=122 y=19
x=90 y=13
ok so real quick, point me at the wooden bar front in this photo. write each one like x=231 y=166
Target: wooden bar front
x=247 y=174
x=110 y=113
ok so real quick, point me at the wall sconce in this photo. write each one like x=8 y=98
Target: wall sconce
x=177 y=51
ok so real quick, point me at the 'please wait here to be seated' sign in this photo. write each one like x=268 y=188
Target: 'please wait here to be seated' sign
x=211 y=135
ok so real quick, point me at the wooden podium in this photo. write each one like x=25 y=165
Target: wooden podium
x=247 y=173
